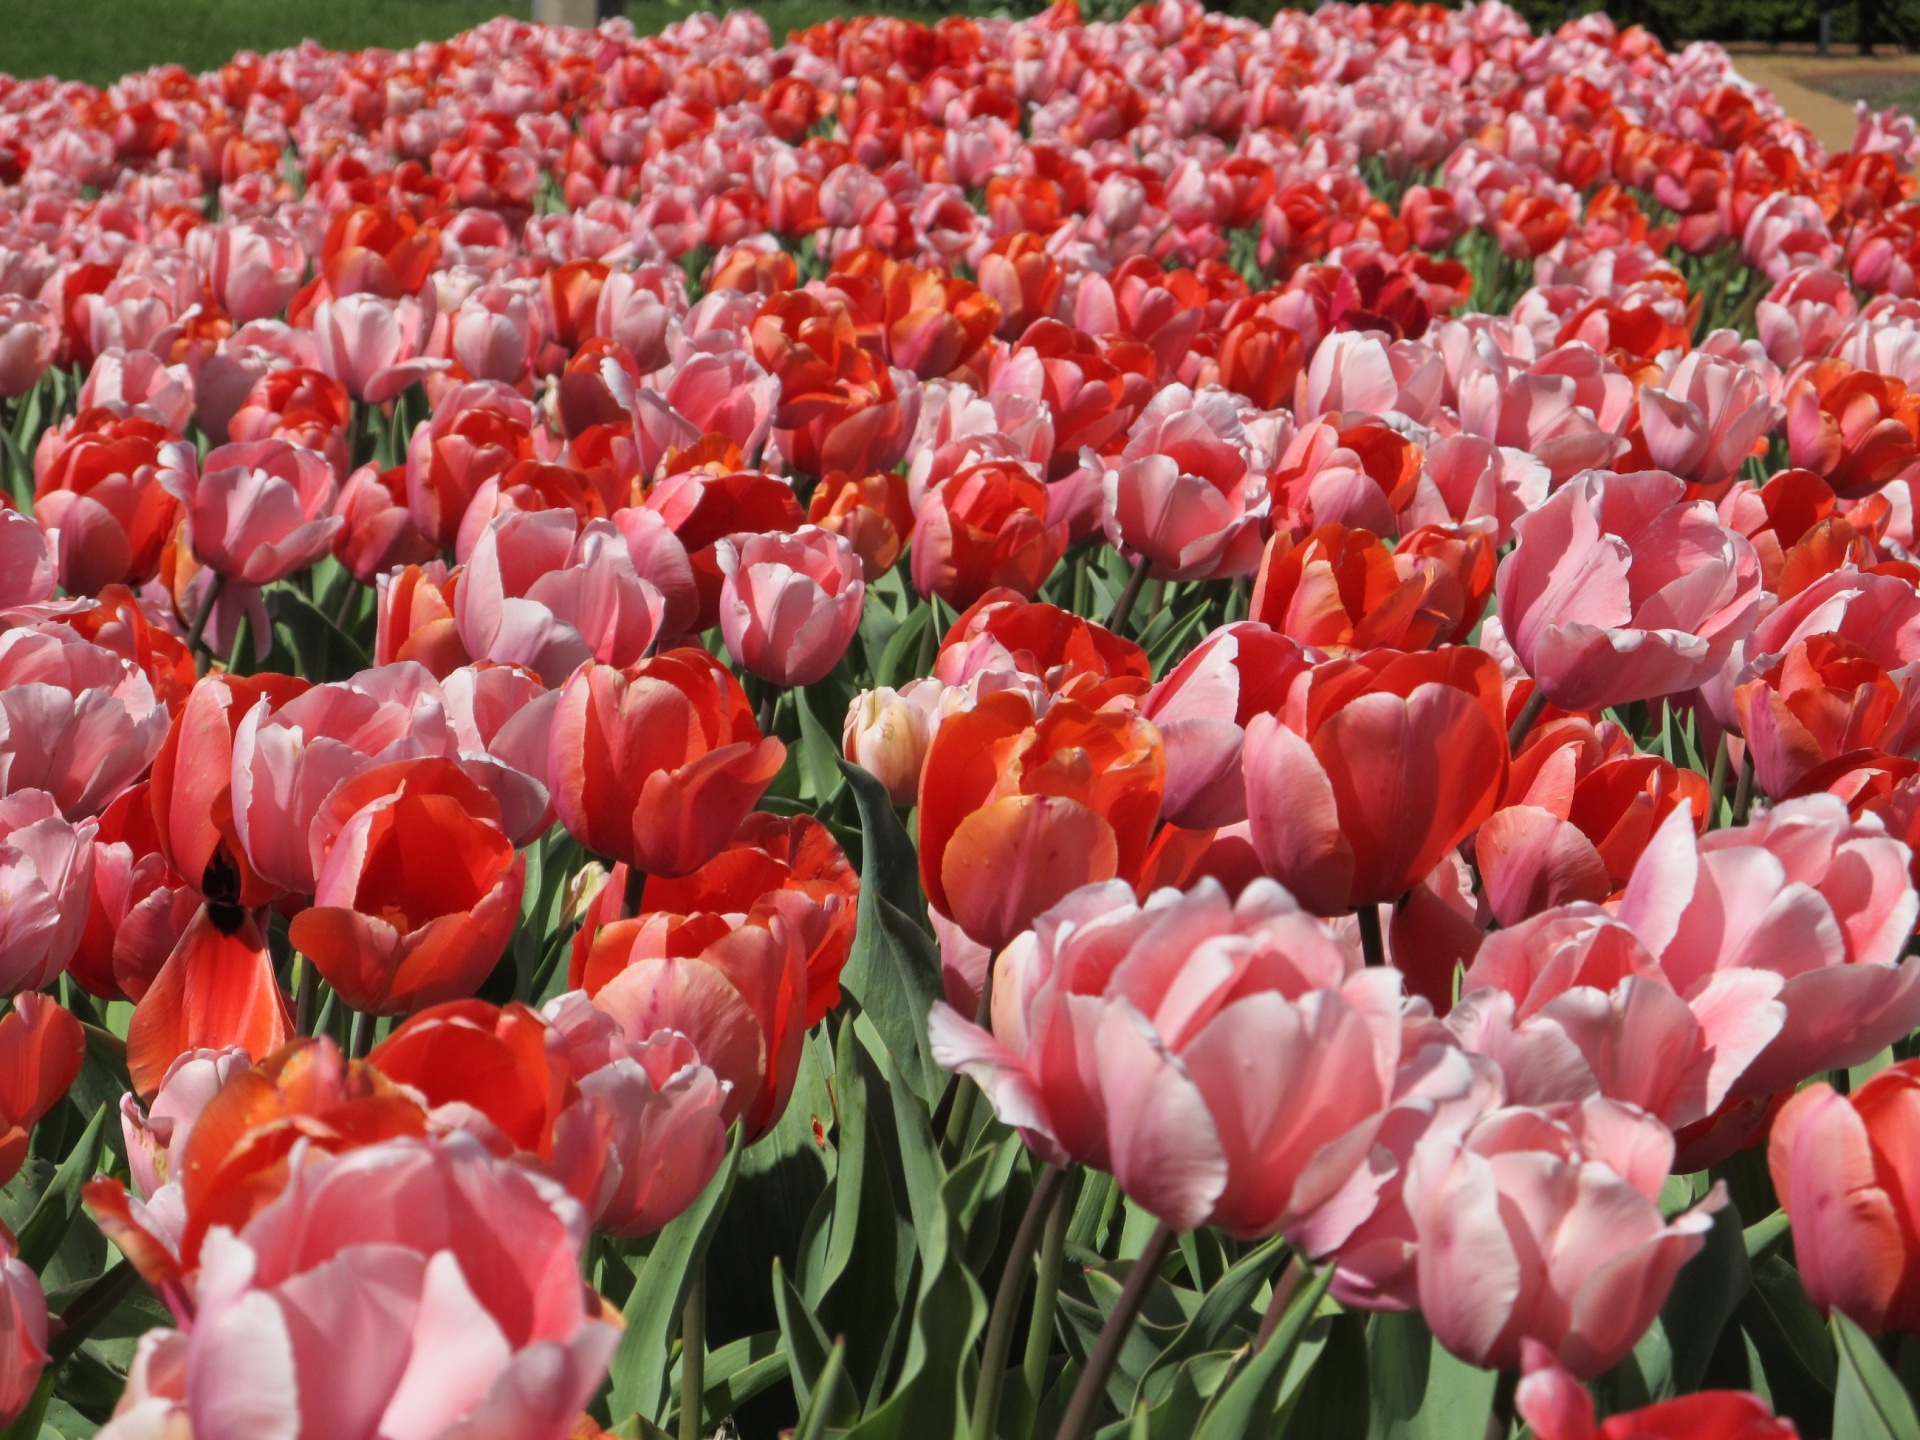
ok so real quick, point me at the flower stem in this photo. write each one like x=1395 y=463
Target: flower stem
x=635 y=892
x=1500 y=1420
x=1078 y=1420
x=693 y=1357
x=1046 y=1301
x=1123 y=607
x=1717 y=784
x=195 y=641
x=1743 y=793
x=307 y=1001
x=1006 y=1301
x=1371 y=944
x=1284 y=1289
x=1529 y=712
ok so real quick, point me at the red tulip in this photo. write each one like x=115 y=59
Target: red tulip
x=41 y=1051
x=217 y=989
x=417 y=887
x=1346 y=804
x=1558 y=1407
x=988 y=526
x=656 y=768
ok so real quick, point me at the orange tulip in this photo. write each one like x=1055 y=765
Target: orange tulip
x=1018 y=809
x=872 y=512
x=501 y=1062
x=1343 y=589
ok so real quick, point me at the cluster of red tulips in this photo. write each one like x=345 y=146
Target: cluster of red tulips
x=1241 y=699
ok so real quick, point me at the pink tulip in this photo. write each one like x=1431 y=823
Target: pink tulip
x=377 y=533
x=1183 y=493
x=790 y=603
x=728 y=395
x=140 y=383
x=46 y=875
x=1787 y=230
x=541 y=591
x=1804 y=315
x=462 y=1274
x=1704 y=419
x=156 y=1139
x=1120 y=1040
x=1360 y=371
x=257 y=266
x=373 y=345
x=1572 y=1005
x=1620 y=590
x=638 y=309
x=1803 y=891
x=502 y=720
x=26 y=565
x=286 y=761
x=1468 y=480
x=1842 y=1166
x=29 y=343
x=647 y=1134
x=258 y=511
x=23 y=1332
x=1543 y=1224
x=76 y=720
x=495 y=334
x=1567 y=410
x=1202 y=707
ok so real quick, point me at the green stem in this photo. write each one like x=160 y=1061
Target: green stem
x=1500 y=1420
x=693 y=1357
x=1743 y=794
x=195 y=642
x=1046 y=1301
x=307 y=1002
x=1123 y=607
x=362 y=1043
x=1717 y=784
x=1371 y=944
x=1006 y=1301
x=1087 y=1395
x=1529 y=712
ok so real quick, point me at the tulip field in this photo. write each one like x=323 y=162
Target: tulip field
x=1010 y=729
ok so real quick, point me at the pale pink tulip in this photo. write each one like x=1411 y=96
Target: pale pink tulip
x=502 y=719
x=495 y=334
x=887 y=733
x=1183 y=494
x=1468 y=480
x=1804 y=315
x=1543 y=1224
x=26 y=565
x=1704 y=419
x=1787 y=230
x=23 y=1332
x=76 y=720
x=29 y=343
x=373 y=345
x=140 y=383
x=257 y=266
x=156 y=1139
x=46 y=877
x=790 y=603
x=462 y=1273
x=257 y=511
x=647 y=1134
x=542 y=591
x=286 y=761
x=1125 y=1037
x=1824 y=901
x=1620 y=590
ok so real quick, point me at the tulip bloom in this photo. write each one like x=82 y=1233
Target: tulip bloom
x=372 y=346
x=46 y=874
x=216 y=990
x=1543 y=1224
x=1824 y=698
x=656 y=768
x=259 y=511
x=1183 y=494
x=738 y=992
x=1843 y=1168
x=1703 y=421
x=23 y=1332
x=377 y=534
x=1202 y=708
x=139 y=907
x=1558 y=1407
x=465 y=1274
x=1621 y=590
x=1342 y=589
x=41 y=1051
x=416 y=888
x=1345 y=802
x=986 y=526
x=1004 y=635
x=1856 y=428
x=378 y=250
x=1018 y=808
x=414 y=618
x=76 y=719
x=871 y=511
x=98 y=494
x=1093 y=1058
x=790 y=604
x=887 y=732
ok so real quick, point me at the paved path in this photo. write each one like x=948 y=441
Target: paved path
x=1831 y=119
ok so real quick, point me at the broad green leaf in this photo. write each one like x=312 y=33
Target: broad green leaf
x=652 y=1315
x=737 y=1372
x=819 y=749
x=1333 y=1400
x=900 y=661
x=1760 y=1235
x=1420 y=1390
x=893 y=971
x=920 y=1162
x=807 y=1348
x=1869 y=1403
x=815 y=1419
x=1243 y=1407
x=1704 y=1296
x=1223 y=1306
x=47 y=1226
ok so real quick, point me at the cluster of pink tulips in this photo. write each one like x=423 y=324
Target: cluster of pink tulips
x=697 y=730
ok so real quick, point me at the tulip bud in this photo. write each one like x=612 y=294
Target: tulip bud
x=790 y=604
x=887 y=733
